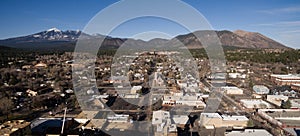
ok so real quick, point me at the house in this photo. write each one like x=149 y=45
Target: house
x=69 y=91
x=134 y=89
x=40 y=65
x=31 y=93
x=15 y=128
x=26 y=67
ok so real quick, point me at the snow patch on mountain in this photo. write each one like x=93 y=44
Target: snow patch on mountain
x=53 y=29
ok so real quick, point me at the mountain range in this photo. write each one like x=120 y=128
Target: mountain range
x=57 y=39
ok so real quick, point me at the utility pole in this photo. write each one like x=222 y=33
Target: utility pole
x=64 y=119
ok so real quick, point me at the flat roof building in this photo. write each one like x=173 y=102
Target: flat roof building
x=186 y=100
x=232 y=90
x=296 y=87
x=209 y=120
x=285 y=79
x=166 y=124
x=285 y=118
x=234 y=121
x=295 y=103
x=277 y=99
x=249 y=132
x=215 y=120
x=255 y=103
x=118 y=118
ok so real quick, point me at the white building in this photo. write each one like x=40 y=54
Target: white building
x=118 y=118
x=234 y=121
x=214 y=120
x=134 y=89
x=255 y=103
x=232 y=90
x=277 y=99
x=31 y=93
x=180 y=119
x=186 y=100
x=209 y=120
x=249 y=132
x=166 y=123
x=160 y=116
x=237 y=75
x=295 y=103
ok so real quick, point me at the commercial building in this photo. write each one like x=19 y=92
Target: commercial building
x=118 y=118
x=237 y=75
x=214 y=120
x=103 y=120
x=166 y=124
x=232 y=90
x=255 y=103
x=186 y=100
x=285 y=118
x=234 y=121
x=295 y=87
x=210 y=120
x=295 y=103
x=249 y=132
x=288 y=79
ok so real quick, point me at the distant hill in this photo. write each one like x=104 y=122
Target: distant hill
x=239 y=38
x=66 y=40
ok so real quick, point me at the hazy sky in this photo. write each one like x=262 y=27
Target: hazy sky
x=278 y=19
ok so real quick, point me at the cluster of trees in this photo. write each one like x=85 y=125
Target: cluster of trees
x=260 y=56
x=8 y=54
x=286 y=104
x=6 y=105
x=254 y=55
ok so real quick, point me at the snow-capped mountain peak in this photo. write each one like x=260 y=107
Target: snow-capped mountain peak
x=53 y=29
x=53 y=34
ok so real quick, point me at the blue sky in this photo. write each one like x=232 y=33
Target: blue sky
x=278 y=19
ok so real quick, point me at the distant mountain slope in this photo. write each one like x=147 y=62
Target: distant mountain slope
x=238 y=38
x=258 y=40
x=57 y=39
